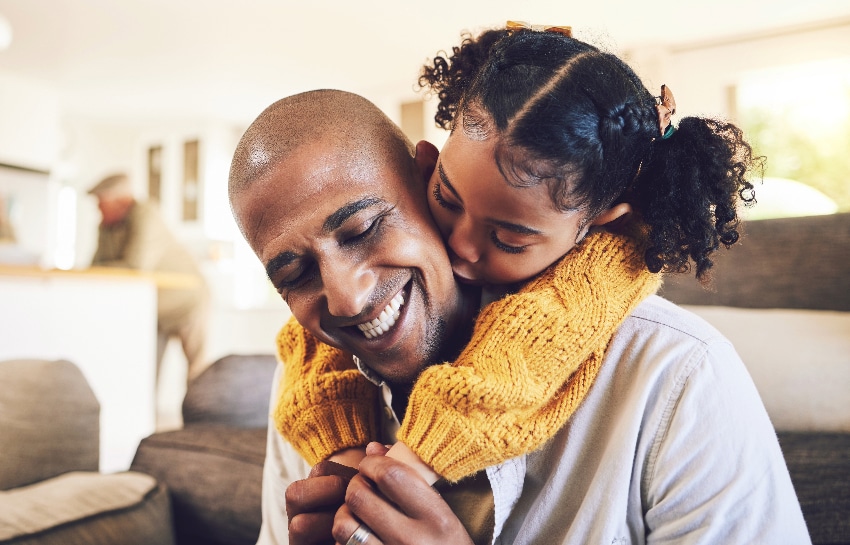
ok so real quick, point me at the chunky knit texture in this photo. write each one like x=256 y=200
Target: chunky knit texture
x=325 y=404
x=531 y=360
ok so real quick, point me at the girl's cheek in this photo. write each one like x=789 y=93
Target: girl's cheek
x=444 y=222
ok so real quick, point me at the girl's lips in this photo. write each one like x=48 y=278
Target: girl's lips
x=468 y=281
x=463 y=272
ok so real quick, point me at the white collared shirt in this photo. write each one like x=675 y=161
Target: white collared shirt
x=671 y=445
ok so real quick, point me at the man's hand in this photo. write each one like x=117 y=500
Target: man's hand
x=396 y=505
x=312 y=502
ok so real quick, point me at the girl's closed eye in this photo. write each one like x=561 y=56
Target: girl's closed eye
x=441 y=200
x=494 y=236
x=509 y=248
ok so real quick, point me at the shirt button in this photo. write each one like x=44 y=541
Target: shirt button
x=388 y=413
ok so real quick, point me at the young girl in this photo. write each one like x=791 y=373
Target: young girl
x=565 y=190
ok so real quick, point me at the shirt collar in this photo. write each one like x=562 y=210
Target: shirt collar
x=370 y=375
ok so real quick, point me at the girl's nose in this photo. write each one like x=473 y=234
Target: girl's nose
x=464 y=242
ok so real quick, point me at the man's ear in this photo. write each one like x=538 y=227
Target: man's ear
x=426 y=159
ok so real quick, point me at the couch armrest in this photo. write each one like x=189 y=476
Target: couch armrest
x=214 y=474
x=233 y=391
x=49 y=421
x=88 y=507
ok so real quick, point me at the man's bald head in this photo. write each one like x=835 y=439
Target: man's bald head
x=344 y=120
x=331 y=197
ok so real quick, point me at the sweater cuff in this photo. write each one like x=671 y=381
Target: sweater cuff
x=346 y=417
x=445 y=440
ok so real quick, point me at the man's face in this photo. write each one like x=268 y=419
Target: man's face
x=348 y=242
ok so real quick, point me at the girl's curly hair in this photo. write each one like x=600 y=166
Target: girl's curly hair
x=581 y=121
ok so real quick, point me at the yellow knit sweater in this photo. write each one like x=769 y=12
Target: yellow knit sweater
x=325 y=404
x=531 y=360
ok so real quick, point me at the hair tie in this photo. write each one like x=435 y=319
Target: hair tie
x=519 y=25
x=665 y=104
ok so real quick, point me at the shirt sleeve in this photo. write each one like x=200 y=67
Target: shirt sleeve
x=282 y=466
x=715 y=473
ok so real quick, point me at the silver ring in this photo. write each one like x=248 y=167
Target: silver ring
x=359 y=537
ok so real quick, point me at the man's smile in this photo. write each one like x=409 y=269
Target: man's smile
x=380 y=325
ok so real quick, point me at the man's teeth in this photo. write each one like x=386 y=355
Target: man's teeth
x=385 y=321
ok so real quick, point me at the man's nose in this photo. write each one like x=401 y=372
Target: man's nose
x=463 y=240
x=347 y=287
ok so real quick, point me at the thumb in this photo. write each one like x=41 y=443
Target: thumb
x=376 y=449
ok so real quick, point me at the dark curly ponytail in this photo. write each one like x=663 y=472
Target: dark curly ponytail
x=581 y=121
x=688 y=192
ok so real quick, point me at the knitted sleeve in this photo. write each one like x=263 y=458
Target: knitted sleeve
x=531 y=360
x=325 y=404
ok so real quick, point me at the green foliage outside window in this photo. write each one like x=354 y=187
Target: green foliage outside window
x=819 y=160
x=798 y=117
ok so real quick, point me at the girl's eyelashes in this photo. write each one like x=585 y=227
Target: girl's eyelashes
x=506 y=247
x=438 y=196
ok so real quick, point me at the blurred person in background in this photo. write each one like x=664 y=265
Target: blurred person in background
x=133 y=235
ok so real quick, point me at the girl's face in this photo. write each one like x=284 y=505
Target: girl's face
x=496 y=233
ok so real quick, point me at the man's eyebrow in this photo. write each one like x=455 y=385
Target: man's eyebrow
x=446 y=182
x=332 y=223
x=514 y=227
x=338 y=218
x=279 y=261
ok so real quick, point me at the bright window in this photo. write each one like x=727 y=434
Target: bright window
x=799 y=118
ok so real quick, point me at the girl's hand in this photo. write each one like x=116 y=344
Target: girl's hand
x=402 y=453
x=349 y=457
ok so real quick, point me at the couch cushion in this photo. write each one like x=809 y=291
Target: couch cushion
x=819 y=464
x=799 y=361
x=87 y=507
x=214 y=474
x=232 y=391
x=49 y=421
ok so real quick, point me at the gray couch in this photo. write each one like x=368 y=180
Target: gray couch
x=50 y=489
x=213 y=466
